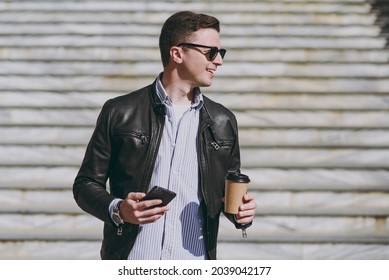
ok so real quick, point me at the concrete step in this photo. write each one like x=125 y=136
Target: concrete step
x=41 y=100
x=303 y=70
x=350 y=203
x=319 y=119
x=124 y=84
x=53 y=250
x=241 y=54
x=315 y=158
x=228 y=30
x=40 y=178
x=12 y=155
x=44 y=232
x=89 y=250
x=343 y=225
x=267 y=42
x=41 y=156
x=378 y=212
x=319 y=200
x=48 y=117
x=302 y=251
x=266 y=226
x=199 y=6
x=318 y=179
x=309 y=230
x=37 y=178
x=235 y=101
x=368 y=138
x=71 y=225
x=158 y=17
x=90 y=29
x=38 y=203
x=266 y=229
x=229 y=69
x=312 y=119
x=295 y=101
x=310 y=137
x=57 y=136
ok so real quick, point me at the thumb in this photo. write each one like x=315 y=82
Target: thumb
x=135 y=196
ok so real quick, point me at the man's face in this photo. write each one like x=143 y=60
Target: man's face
x=197 y=68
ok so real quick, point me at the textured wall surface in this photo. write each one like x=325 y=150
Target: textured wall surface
x=308 y=81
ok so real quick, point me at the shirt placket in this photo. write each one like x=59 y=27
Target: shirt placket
x=170 y=217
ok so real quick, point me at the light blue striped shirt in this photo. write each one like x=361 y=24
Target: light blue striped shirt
x=179 y=233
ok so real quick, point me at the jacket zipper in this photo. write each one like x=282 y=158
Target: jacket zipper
x=146 y=179
x=138 y=135
x=217 y=144
x=200 y=156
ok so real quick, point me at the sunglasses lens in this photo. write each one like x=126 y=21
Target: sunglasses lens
x=213 y=53
x=222 y=52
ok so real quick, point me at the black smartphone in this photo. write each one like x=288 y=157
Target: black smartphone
x=160 y=193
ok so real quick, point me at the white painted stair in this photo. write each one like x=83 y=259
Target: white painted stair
x=308 y=81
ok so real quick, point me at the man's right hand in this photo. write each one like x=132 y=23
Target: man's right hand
x=134 y=211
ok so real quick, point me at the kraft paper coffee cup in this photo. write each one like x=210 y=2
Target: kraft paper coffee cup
x=235 y=188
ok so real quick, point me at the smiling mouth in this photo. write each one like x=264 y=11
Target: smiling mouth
x=211 y=71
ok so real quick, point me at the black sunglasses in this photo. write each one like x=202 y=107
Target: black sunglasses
x=212 y=53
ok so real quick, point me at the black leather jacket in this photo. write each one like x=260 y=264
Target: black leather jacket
x=123 y=149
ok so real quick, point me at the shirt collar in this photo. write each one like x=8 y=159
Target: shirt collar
x=165 y=99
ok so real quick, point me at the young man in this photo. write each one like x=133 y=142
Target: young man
x=167 y=134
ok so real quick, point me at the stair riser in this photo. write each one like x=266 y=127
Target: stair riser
x=258 y=138
x=151 y=53
x=232 y=69
x=251 y=158
x=61 y=178
x=227 y=251
x=220 y=84
x=85 y=227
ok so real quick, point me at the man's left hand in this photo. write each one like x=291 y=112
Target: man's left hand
x=246 y=210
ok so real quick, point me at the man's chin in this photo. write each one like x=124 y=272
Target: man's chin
x=207 y=84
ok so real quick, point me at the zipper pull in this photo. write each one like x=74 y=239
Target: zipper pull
x=244 y=233
x=143 y=139
x=120 y=230
x=215 y=146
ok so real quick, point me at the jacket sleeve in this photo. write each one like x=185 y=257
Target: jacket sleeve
x=89 y=188
x=235 y=167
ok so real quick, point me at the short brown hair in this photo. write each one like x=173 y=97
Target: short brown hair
x=179 y=28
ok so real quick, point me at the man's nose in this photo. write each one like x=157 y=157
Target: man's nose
x=218 y=59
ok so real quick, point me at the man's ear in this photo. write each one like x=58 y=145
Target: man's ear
x=176 y=54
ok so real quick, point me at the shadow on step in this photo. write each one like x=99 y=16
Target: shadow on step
x=381 y=8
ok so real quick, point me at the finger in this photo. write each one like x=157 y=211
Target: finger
x=146 y=213
x=151 y=215
x=152 y=211
x=244 y=221
x=245 y=214
x=248 y=197
x=150 y=219
x=149 y=203
x=248 y=206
